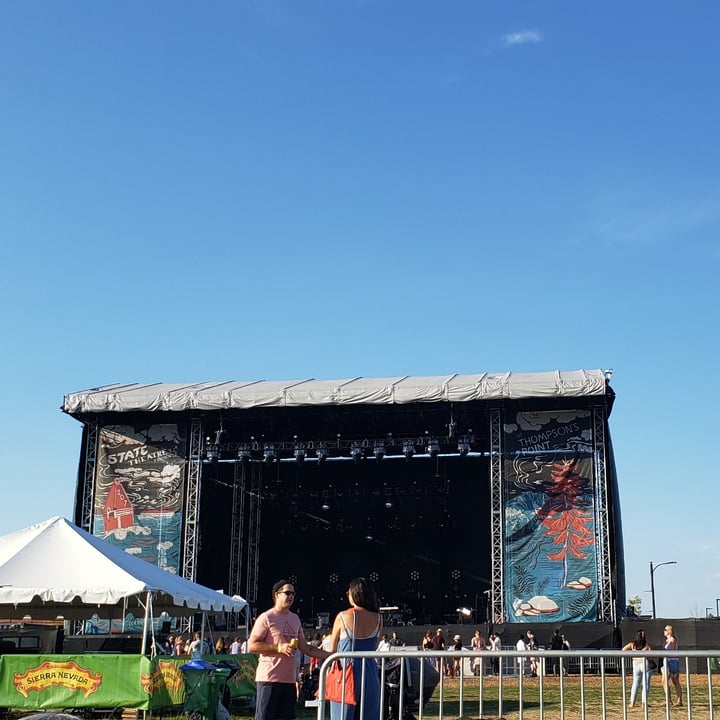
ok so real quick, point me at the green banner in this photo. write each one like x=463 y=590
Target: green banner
x=111 y=681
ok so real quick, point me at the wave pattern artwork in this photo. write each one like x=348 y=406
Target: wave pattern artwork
x=550 y=558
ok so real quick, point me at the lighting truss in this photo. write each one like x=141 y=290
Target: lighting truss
x=357 y=449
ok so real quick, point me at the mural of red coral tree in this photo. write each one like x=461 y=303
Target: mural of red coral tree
x=567 y=514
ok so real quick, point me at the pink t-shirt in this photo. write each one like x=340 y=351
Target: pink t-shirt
x=276 y=627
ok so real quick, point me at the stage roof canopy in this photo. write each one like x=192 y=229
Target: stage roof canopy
x=243 y=395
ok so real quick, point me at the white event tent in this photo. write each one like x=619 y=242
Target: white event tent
x=55 y=568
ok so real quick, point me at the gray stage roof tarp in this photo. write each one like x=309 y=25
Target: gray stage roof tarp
x=178 y=397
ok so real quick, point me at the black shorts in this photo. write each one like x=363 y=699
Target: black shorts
x=275 y=701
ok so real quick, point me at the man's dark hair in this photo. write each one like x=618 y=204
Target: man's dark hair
x=278 y=585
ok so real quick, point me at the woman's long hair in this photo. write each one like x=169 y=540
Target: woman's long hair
x=640 y=641
x=362 y=593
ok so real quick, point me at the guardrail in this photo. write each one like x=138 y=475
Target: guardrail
x=590 y=684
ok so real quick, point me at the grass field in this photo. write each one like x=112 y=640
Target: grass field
x=576 y=696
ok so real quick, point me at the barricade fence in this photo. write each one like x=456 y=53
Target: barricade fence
x=535 y=684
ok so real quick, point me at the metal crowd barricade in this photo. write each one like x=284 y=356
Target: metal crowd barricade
x=515 y=694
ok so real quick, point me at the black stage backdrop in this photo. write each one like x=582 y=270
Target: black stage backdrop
x=420 y=529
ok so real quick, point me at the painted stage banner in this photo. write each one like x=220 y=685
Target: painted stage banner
x=40 y=682
x=550 y=562
x=139 y=488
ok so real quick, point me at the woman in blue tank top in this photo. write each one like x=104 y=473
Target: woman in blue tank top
x=358 y=628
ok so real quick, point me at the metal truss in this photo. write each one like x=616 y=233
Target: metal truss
x=606 y=610
x=88 y=490
x=253 y=557
x=236 y=532
x=192 y=512
x=496 y=603
x=192 y=502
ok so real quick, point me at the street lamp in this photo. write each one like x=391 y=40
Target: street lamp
x=652 y=580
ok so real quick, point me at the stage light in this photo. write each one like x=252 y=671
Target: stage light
x=322 y=453
x=455 y=574
x=408 y=449
x=374 y=577
x=465 y=612
x=243 y=453
x=269 y=453
x=433 y=447
x=356 y=451
x=299 y=451
x=325 y=507
x=463 y=446
x=212 y=452
x=414 y=575
x=388 y=505
x=379 y=449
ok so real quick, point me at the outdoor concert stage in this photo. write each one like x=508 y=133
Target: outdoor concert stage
x=465 y=498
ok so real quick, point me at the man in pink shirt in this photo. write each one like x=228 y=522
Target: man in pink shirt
x=277 y=635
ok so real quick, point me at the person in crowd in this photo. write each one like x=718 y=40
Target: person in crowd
x=495 y=644
x=427 y=641
x=556 y=643
x=641 y=668
x=314 y=664
x=383 y=643
x=169 y=645
x=565 y=646
x=220 y=647
x=454 y=668
x=276 y=636
x=358 y=628
x=395 y=641
x=301 y=669
x=179 y=645
x=532 y=645
x=477 y=643
x=521 y=646
x=671 y=667
x=439 y=646
x=236 y=645
x=200 y=645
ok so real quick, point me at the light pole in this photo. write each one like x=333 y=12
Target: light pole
x=652 y=580
x=717 y=607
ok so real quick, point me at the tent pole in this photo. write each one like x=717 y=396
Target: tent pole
x=143 y=647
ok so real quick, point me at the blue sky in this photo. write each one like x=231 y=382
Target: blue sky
x=329 y=188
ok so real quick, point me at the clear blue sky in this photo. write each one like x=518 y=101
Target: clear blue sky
x=269 y=189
